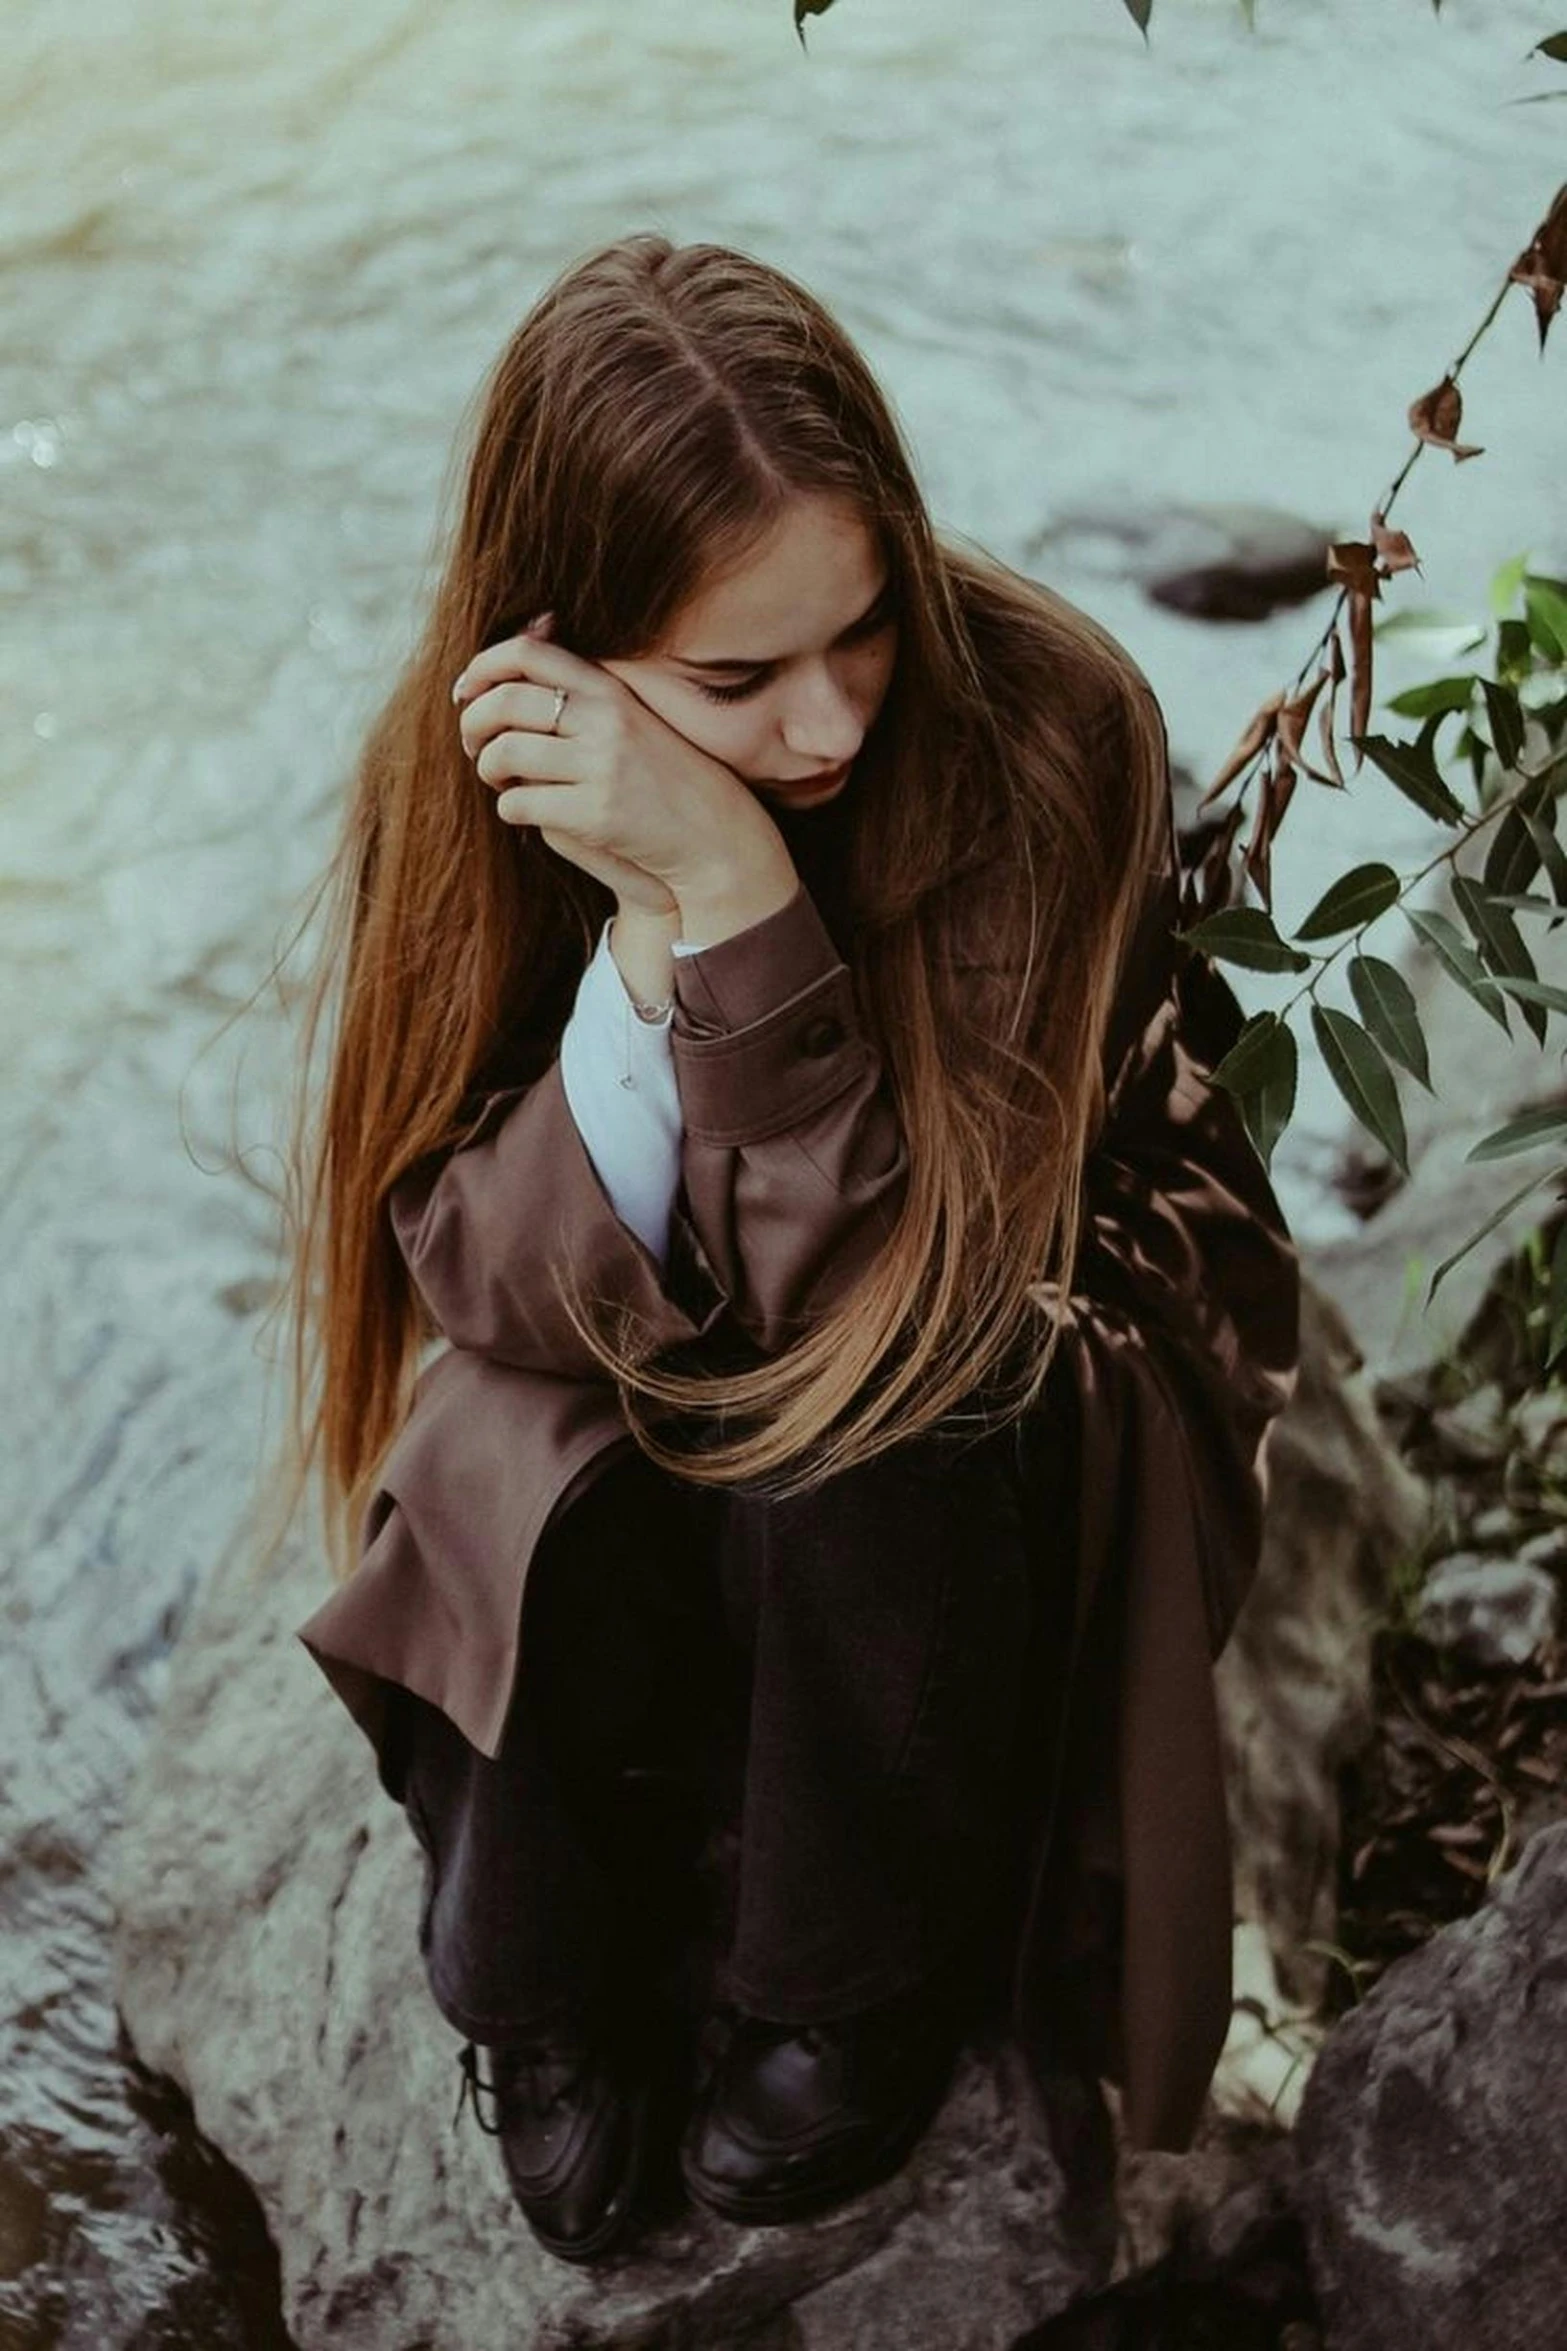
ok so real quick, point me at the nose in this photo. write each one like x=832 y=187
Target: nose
x=822 y=723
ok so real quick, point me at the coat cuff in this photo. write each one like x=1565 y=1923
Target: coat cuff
x=766 y=1029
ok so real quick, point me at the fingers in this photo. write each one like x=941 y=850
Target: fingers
x=521 y=756
x=526 y=656
x=505 y=706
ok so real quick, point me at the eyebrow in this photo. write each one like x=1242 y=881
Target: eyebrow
x=736 y=662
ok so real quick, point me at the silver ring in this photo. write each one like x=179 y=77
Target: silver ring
x=561 y=699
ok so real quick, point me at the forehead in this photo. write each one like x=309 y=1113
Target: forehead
x=814 y=572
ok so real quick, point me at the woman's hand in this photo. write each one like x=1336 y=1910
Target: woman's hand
x=614 y=788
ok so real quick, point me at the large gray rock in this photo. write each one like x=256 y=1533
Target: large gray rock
x=267 y=1894
x=1432 y=2140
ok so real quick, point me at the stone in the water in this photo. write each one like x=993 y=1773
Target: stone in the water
x=1216 y=560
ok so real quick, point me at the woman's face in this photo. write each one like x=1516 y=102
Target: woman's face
x=779 y=668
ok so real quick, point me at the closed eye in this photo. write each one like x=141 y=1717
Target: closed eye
x=880 y=616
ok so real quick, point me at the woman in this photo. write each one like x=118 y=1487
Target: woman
x=766 y=1057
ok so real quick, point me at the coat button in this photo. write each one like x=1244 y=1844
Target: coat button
x=822 y=1035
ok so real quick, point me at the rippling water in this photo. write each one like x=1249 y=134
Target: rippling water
x=254 y=265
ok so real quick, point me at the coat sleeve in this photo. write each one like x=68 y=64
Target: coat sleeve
x=484 y=1228
x=793 y=1167
x=794 y=1164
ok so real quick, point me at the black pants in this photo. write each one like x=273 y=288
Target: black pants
x=840 y=1691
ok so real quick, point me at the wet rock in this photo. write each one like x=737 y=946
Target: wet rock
x=1495 y=1611
x=1475 y=1431
x=1433 y=2137
x=267 y=1894
x=1540 y=1428
x=1540 y=1419
x=1546 y=1549
x=266 y=1959
x=1217 y=561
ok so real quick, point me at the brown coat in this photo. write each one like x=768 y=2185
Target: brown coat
x=1182 y=1338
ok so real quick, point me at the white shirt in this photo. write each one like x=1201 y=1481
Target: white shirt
x=631 y=1133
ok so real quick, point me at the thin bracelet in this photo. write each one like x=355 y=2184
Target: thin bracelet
x=644 y=1012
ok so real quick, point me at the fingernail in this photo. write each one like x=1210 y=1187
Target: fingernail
x=540 y=620
x=457 y=691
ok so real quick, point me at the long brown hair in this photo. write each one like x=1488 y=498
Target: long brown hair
x=644 y=426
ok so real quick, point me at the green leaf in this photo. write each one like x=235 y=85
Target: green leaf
x=805 y=8
x=1414 y=771
x=1260 y=1069
x=1506 y=581
x=1552 y=716
x=1556 y=1295
x=1426 y=621
x=1439 y=694
x=1553 y=857
x=1498 y=939
x=1546 y=608
x=1526 y=902
x=1477 y=751
x=1514 y=652
x=1536 y=992
x=1459 y=961
x=1506 y=721
x=1512 y=858
x=1356 y=897
x=1140 y=11
x=1554 y=45
x=1245 y=935
x=1386 y=1003
x=1356 y=1066
x=1523 y=1134
x=1490 y=1224
x=1251 y=1056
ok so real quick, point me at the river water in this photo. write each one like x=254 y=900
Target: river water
x=255 y=262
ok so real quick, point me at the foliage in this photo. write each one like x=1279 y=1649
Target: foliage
x=1506 y=720
x=1504 y=771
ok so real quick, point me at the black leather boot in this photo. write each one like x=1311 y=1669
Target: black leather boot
x=797 y=2118
x=570 y=2111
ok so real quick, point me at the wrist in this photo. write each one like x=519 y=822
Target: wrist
x=642 y=952
x=731 y=900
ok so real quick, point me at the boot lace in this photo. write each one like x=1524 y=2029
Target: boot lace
x=545 y=2071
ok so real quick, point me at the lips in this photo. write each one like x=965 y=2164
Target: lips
x=807 y=787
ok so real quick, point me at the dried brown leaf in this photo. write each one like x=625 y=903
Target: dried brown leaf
x=1354 y=561
x=1542 y=266
x=1394 y=551
x=1459 y=1832
x=1277 y=788
x=1325 y=722
x=1437 y=415
x=1259 y=730
x=1360 y=665
x=1467 y=1868
x=1214 y=891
